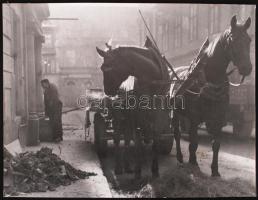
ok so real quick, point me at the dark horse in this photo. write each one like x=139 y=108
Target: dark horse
x=145 y=65
x=123 y=125
x=213 y=88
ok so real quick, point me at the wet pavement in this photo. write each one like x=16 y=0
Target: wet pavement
x=236 y=165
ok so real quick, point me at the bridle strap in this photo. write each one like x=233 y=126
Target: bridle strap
x=231 y=71
x=235 y=84
x=238 y=84
x=230 y=55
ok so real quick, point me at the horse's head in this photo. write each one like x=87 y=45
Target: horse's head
x=114 y=70
x=238 y=43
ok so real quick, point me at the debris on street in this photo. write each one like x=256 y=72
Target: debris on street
x=186 y=182
x=38 y=172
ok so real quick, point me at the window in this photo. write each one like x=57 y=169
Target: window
x=16 y=46
x=214 y=19
x=193 y=22
x=48 y=39
x=178 y=31
x=159 y=35
x=71 y=57
x=53 y=68
x=171 y=34
x=47 y=66
x=165 y=36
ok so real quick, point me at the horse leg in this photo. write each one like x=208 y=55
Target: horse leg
x=155 y=153
x=127 y=164
x=193 y=144
x=118 y=166
x=117 y=132
x=138 y=154
x=216 y=133
x=175 y=122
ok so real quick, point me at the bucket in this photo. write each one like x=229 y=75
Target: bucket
x=45 y=132
x=33 y=132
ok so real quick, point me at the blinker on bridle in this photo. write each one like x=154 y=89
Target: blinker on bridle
x=228 y=47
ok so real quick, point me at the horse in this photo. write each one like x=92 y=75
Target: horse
x=145 y=65
x=208 y=99
x=122 y=125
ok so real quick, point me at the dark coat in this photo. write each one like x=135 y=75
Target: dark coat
x=51 y=100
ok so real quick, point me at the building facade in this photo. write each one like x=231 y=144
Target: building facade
x=22 y=94
x=50 y=67
x=77 y=62
x=181 y=29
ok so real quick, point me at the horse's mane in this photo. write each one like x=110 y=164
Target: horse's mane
x=219 y=38
x=130 y=47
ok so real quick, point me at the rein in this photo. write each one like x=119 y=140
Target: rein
x=197 y=59
x=227 y=74
x=164 y=82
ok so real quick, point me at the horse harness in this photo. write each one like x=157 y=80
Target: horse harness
x=199 y=60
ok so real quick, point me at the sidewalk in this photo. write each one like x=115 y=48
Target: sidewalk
x=81 y=155
x=228 y=129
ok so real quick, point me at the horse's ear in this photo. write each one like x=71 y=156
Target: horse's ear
x=108 y=46
x=247 y=23
x=233 y=22
x=101 y=52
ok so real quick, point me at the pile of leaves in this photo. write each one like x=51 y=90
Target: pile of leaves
x=40 y=171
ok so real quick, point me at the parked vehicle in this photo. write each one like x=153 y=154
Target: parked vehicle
x=103 y=123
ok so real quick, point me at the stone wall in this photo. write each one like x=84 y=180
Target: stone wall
x=21 y=68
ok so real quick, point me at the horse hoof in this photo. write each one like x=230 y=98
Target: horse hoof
x=180 y=159
x=215 y=174
x=194 y=163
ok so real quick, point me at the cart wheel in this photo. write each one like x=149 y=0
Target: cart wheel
x=166 y=145
x=99 y=131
